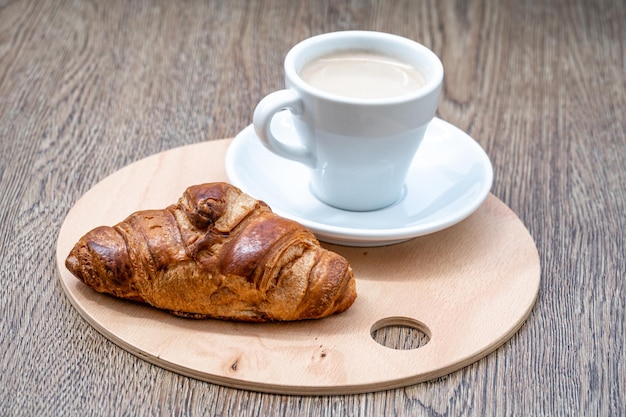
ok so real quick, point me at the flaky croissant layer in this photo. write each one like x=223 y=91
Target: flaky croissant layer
x=216 y=253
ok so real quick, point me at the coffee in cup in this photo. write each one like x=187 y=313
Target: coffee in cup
x=363 y=74
x=360 y=104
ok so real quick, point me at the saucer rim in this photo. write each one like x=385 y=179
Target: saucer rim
x=380 y=236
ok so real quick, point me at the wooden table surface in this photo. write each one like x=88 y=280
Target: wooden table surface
x=88 y=87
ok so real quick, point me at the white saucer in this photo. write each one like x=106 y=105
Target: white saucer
x=448 y=180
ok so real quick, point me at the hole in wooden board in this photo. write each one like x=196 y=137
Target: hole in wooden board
x=400 y=333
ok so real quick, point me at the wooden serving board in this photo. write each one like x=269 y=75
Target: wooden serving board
x=469 y=288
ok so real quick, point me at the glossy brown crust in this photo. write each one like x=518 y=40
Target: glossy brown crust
x=216 y=253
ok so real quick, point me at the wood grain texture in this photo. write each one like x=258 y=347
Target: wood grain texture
x=89 y=87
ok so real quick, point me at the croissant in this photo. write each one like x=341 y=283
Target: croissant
x=217 y=253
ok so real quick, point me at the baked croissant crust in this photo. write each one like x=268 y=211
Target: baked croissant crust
x=216 y=253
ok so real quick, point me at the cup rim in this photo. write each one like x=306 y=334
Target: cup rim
x=433 y=83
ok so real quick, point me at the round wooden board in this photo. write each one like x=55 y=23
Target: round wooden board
x=469 y=287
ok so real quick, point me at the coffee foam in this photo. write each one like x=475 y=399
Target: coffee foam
x=362 y=74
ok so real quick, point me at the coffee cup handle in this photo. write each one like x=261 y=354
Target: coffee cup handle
x=262 y=120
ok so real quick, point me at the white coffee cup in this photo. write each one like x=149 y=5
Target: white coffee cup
x=358 y=149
